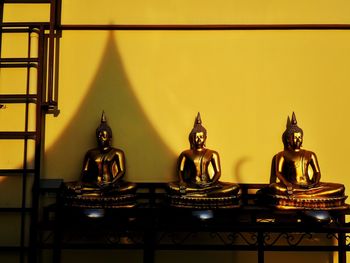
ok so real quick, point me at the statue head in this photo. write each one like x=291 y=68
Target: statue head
x=198 y=135
x=293 y=135
x=103 y=133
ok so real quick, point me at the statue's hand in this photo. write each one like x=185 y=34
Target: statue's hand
x=102 y=185
x=76 y=188
x=182 y=189
x=205 y=185
x=289 y=188
x=312 y=185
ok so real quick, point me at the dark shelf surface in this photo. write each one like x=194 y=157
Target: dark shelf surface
x=152 y=210
x=154 y=225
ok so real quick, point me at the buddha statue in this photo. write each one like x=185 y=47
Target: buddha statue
x=199 y=172
x=101 y=183
x=298 y=175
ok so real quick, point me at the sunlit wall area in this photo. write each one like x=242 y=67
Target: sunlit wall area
x=205 y=12
x=152 y=83
x=244 y=82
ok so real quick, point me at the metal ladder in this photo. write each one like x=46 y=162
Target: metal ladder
x=37 y=68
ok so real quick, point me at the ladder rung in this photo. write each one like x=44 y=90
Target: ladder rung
x=18 y=65
x=19 y=60
x=25 y=24
x=6 y=172
x=15 y=209
x=18 y=98
x=16 y=30
x=27 y=1
x=12 y=248
x=17 y=135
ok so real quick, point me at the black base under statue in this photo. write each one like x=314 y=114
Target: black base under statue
x=118 y=201
x=186 y=201
x=298 y=203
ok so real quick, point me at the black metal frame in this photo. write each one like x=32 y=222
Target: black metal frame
x=153 y=225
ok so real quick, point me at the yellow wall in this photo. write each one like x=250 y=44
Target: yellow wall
x=151 y=85
x=244 y=83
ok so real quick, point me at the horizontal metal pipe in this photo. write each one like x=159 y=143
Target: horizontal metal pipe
x=210 y=27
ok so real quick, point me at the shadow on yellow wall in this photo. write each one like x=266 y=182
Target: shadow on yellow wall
x=112 y=92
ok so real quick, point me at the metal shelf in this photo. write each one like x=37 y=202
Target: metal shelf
x=154 y=225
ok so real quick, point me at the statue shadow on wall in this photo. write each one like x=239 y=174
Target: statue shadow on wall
x=148 y=158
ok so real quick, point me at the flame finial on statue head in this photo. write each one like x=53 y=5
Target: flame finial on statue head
x=198 y=119
x=292 y=127
x=103 y=125
x=197 y=127
x=103 y=117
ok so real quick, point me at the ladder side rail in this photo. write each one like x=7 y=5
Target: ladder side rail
x=33 y=252
x=1 y=21
x=25 y=158
x=56 y=72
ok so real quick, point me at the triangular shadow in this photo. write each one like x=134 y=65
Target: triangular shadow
x=147 y=157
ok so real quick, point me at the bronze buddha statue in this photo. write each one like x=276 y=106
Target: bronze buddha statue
x=101 y=183
x=298 y=172
x=199 y=172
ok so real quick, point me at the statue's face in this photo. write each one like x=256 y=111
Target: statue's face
x=199 y=139
x=296 y=140
x=103 y=138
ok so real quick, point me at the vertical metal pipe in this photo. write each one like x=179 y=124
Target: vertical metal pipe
x=25 y=157
x=1 y=21
x=58 y=7
x=44 y=68
x=50 y=82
